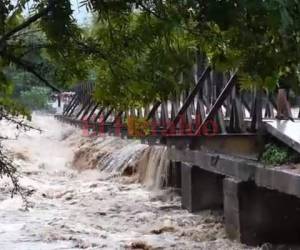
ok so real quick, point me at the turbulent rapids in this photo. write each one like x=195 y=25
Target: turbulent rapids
x=97 y=193
x=115 y=156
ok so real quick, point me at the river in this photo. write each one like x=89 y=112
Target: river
x=74 y=205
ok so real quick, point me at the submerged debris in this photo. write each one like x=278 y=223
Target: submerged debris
x=163 y=230
x=139 y=245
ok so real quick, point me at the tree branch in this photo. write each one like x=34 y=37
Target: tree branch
x=28 y=67
x=25 y=33
x=151 y=12
x=21 y=124
x=31 y=47
x=25 y=24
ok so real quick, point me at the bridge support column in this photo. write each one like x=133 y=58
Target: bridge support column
x=255 y=215
x=175 y=174
x=200 y=189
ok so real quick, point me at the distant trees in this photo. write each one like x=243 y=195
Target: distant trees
x=36 y=98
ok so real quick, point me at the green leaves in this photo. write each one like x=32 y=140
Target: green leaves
x=138 y=51
x=276 y=154
x=148 y=45
x=142 y=59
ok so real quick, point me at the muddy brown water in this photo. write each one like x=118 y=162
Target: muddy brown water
x=86 y=208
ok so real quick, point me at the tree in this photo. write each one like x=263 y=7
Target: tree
x=141 y=50
x=260 y=38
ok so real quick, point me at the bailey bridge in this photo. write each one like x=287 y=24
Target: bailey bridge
x=215 y=133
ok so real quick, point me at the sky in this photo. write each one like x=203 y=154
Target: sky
x=81 y=15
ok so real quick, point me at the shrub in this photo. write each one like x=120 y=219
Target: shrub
x=275 y=154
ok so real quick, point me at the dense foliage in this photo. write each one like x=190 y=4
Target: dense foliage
x=142 y=50
x=144 y=59
x=146 y=48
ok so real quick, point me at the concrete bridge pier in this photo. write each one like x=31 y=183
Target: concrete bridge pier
x=175 y=175
x=255 y=215
x=200 y=189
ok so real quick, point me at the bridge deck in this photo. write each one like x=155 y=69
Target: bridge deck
x=286 y=131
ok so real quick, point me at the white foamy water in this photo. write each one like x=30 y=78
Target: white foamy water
x=74 y=205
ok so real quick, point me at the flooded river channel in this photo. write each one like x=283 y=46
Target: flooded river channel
x=75 y=205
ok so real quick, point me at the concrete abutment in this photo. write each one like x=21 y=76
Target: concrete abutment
x=255 y=215
x=175 y=175
x=200 y=189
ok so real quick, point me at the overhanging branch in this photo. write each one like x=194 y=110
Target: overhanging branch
x=28 y=67
x=25 y=24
